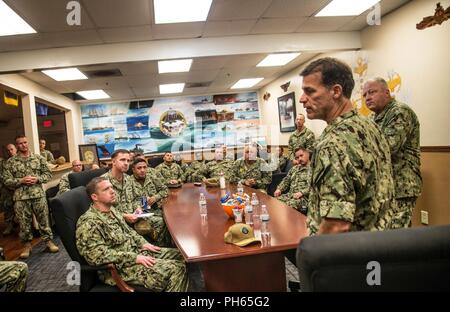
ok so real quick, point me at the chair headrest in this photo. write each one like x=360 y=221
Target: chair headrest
x=84 y=177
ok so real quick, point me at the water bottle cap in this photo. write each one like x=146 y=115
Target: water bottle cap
x=265 y=217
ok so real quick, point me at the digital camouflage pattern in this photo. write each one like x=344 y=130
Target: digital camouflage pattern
x=213 y=168
x=29 y=199
x=297 y=180
x=124 y=192
x=258 y=170
x=6 y=197
x=190 y=169
x=401 y=128
x=351 y=176
x=64 y=185
x=13 y=276
x=170 y=172
x=304 y=138
x=154 y=226
x=48 y=156
x=104 y=238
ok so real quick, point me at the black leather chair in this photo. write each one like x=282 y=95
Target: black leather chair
x=276 y=179
x=67 y=208
x=155 y=161
x=84 y=177
x=414 y=259
x=288 y=166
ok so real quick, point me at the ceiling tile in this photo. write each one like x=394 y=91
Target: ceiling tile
x=178 y=30
x=294 y=8
x=138 y=68
x=117 y=13
x=227 y=10
x=277 y=25
x=52 y=18
x=142 y=81
x=120 y=94
x=228 y=28
x=211 y=62
x=149 y=92
x=244 y=61
x=24 y=42
x=126 y=34
x=73 y=38
x=319 y=24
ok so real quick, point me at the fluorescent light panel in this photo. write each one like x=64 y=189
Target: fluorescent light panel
x=278 y=59
x=346 y=7
x=246 y=83
x=65 y=74
x=171 y=88
x=175 y=66
x=181 y=11
x=93 y=94
x=11 y=23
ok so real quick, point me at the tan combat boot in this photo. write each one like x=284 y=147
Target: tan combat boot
x=26 y=251
x=8 y=230
x=52 y=247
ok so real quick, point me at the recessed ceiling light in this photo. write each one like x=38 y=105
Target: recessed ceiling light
x=175 y=66
x=11 y=23
x=171 y=88
x=181 y=11
x=346 y=7
x=93 y=94
x=64 y=74
x=246 y=83
x=278 y=59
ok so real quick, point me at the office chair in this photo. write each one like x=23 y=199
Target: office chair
x=67 y=208
x=84 y=177
x=155 y=161
x=413 y=259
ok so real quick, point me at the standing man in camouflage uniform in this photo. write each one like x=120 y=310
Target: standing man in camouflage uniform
x=26 y=172
x=302 y=137
x=149 y=184
x=46 y=153
x=352 y=188
x=251 y=170
x=400 y=126
x=210 y=172
x=64 y=185
x=6 y=195
x=13 y=275
x=294 y=188
x=103 y=237
x=170 y=171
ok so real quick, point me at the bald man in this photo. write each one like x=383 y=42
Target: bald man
x=401 y=128
x=64 y=185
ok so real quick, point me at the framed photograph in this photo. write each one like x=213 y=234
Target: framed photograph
x=286 y=112
x=88 y=153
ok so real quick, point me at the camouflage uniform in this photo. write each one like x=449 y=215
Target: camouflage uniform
x=258 y=170
x=104 y=238
x=64 y=185
x=48 y=156
x=152 y=186
x=6 y=197
x=212 y=170
x=190 y=169
x=123 y=190
x=29 y=199
x=297 y=180
x=13 y=275
x=170 y=172
x=304 y=138
x=400 y=126
x=351 y=176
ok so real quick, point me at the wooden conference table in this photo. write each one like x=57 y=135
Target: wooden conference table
x=227 y=267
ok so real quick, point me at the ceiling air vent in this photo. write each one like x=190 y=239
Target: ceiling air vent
x=198 y=84
x=73 y=96
x=103 y=73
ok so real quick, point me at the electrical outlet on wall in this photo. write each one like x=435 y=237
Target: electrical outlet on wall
x=424 y=217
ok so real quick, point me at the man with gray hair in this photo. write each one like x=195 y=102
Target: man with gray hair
x=401 y=127
x=64 y=185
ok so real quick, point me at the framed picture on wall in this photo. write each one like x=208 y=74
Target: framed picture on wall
x=286 y=112
x=88 y=153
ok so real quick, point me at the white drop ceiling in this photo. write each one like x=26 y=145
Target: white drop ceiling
x=106 y=22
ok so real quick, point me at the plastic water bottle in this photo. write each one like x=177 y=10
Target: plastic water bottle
x=240 y=188
x=256 y=219
x=248 y=213
x=222 y=181
x=202 y=205
x=266 y=236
